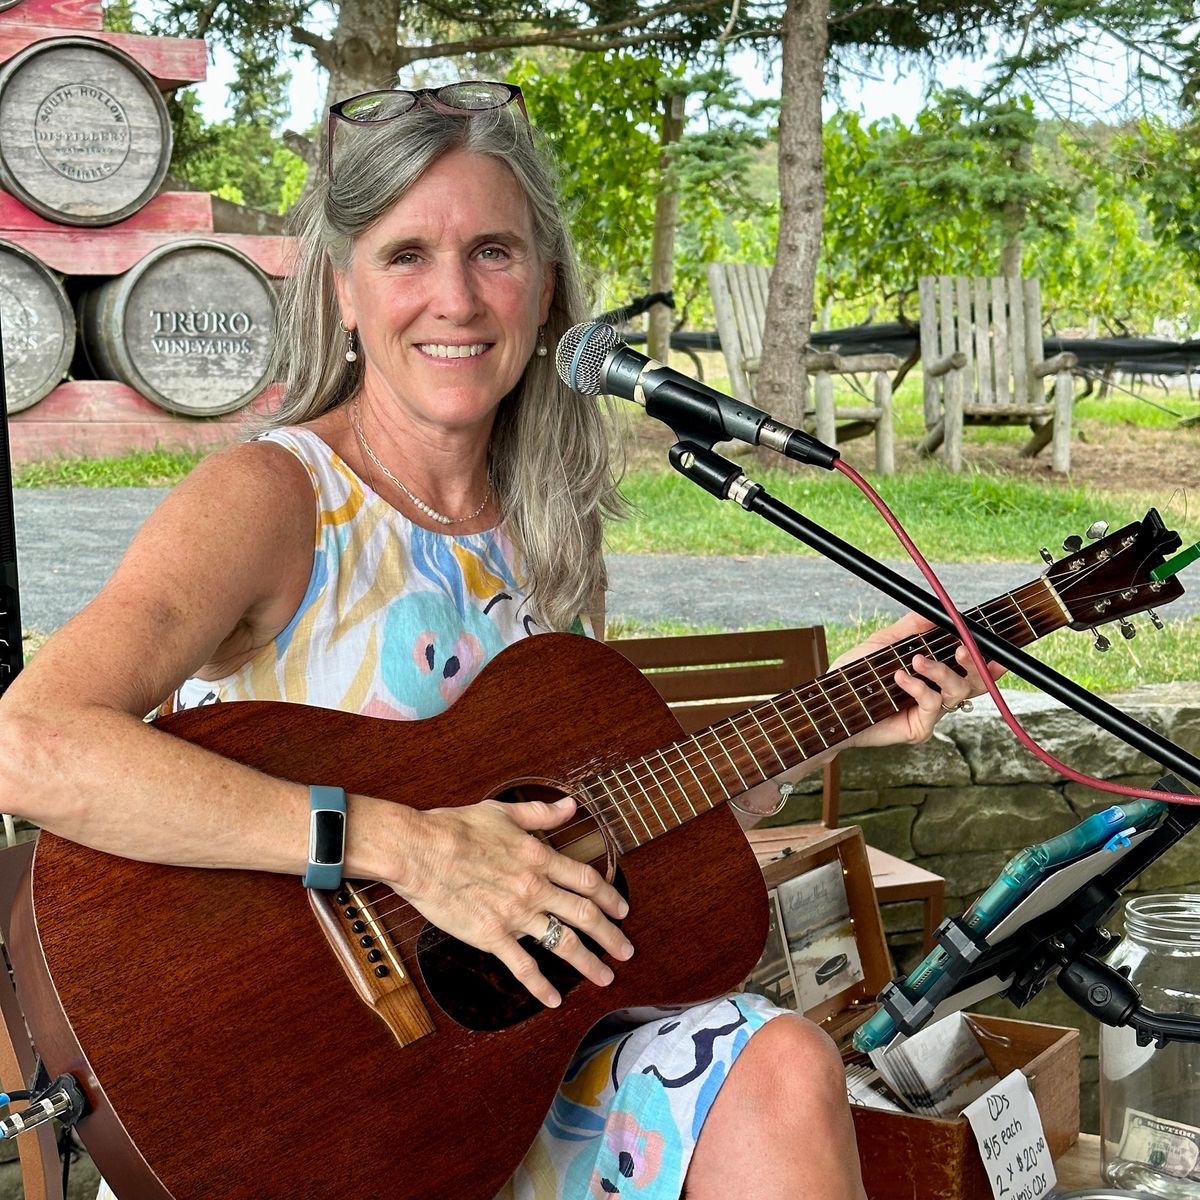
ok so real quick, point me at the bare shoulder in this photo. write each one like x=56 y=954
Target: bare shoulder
x=221 y=564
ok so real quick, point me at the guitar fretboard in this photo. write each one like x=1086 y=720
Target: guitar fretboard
x=650 y=796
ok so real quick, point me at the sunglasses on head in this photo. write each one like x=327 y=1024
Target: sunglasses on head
x=463 y=99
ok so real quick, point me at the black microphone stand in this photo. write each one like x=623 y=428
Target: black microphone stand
x=697 y=461
x=1064 y=943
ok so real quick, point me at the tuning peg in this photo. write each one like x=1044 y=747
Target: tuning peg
x=1096 y=530
x=1046 y=555
x=1155 y=619
x=1127 y=629
x=1102 y=643
x=1073 y=543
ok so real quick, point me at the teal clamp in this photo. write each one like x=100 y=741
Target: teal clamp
x=1174 y=565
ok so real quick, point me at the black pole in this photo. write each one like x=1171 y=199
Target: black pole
x=11 y=652
x=719 y=476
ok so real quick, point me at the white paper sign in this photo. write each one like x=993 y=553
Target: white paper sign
x=1011 y=1140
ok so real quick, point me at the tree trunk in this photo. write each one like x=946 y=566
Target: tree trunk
x=1013 y=218
x=361 y=55
x=782 y=384
x=662 y=251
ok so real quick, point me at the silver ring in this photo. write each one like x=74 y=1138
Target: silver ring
x=961 y=706
x=553 y=934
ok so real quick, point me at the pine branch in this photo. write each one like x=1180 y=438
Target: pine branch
x=592 y=38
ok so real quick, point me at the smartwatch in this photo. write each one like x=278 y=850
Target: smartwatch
x=326 y=837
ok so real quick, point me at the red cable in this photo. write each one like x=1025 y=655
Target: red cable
x=980 y=662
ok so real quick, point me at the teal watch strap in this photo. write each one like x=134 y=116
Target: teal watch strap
x=326 y=837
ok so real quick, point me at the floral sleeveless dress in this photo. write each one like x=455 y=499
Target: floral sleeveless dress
x=396 y=622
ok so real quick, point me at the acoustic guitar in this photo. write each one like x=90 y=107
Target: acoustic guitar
x=238 y=1038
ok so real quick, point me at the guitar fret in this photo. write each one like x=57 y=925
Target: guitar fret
x=774 y=704
x=661 y=788
x=687 y=762
x=732 y=723
x=833 y=709
x=632 y=769
x=854 y=692
x=1021 y=614
x=753 y=715
x=636 y=808
x=716 y=774
x=883 y=687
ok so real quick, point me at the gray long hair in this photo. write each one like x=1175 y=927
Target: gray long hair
x=550 y=455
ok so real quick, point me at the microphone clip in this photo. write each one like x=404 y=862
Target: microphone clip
x=704 y=466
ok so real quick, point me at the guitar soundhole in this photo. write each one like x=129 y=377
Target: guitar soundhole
x=476 y=989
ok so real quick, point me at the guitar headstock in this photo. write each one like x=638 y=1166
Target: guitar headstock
x=1110 y=579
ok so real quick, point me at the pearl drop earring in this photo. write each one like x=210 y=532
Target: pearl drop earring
x=351 y=351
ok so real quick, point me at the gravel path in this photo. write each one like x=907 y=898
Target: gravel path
x=70 y=539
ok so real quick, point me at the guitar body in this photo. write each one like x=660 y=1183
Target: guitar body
x=222 y=1049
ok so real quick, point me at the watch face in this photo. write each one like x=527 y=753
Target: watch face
x=328 y=836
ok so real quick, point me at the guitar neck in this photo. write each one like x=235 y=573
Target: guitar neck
x=650 y=796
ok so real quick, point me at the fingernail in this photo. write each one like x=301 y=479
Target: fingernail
x=606 y=976
x=622 y=908
x=554 y=1000
x=626 y=949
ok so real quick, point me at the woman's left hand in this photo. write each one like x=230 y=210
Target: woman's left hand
x=915 y=723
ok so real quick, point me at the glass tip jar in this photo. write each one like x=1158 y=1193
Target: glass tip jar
x=1150 y=1098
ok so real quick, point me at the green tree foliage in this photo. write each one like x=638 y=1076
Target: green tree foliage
x=242 y=158
x=903 y=202
x=600 y=116
x=1164 y=160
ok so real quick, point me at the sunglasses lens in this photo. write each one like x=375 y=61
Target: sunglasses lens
x=378 y=106
x=474 y=96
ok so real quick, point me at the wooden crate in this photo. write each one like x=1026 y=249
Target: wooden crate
x=905 y=1156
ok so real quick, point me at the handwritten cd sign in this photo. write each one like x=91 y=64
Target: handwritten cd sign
x=1012 y=1142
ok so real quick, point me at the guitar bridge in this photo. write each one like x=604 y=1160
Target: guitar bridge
x=364 y=949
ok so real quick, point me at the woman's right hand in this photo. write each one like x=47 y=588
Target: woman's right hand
x=482 y=877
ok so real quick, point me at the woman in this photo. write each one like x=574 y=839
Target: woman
x=458 y=490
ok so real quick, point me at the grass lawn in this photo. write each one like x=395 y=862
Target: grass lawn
x=982 y=514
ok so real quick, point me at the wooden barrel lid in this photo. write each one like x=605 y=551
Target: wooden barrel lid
x=38 y=327
x=85 y=138
x=191 y=327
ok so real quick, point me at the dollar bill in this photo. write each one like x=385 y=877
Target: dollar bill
x=1170 y=1147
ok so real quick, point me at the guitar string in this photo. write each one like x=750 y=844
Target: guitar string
x=850 y=684
x=936 y=641
x=935 y=646
x=941 y=640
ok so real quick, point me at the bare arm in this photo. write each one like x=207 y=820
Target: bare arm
x=218 y=570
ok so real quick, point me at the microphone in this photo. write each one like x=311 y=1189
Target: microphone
x=592 y=359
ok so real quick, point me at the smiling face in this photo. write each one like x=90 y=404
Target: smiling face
x=446 y=292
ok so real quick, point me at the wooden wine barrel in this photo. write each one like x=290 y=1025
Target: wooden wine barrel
x=84 y=134
x=191 y=327
x=38 y=327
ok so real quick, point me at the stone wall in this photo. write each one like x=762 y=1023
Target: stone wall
x=965 y=802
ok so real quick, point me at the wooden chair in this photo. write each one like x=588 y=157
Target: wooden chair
x=706 y=677
x=983 y=364
x=739 y=295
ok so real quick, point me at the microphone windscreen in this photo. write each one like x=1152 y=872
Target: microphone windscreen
x=581 y=353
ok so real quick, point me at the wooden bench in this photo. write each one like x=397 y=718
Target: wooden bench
x=707 y=677
x=739 y=296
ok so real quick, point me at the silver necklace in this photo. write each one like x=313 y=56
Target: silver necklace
x=427 y=509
